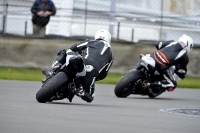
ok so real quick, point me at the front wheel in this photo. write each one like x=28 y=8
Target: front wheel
x=51 y=87
x=125 y=85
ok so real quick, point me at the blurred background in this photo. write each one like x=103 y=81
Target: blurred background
x=135 y=25
x=127 y=20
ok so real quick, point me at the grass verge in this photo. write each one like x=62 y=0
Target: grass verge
x=112 y=78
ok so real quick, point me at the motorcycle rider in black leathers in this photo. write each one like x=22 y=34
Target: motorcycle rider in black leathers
x=172 y=53
x=97 y=57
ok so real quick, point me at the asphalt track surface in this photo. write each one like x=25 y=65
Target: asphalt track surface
x=21 y=113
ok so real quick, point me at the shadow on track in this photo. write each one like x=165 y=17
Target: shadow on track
x=65 y=103
x=162 y=98
x=80 y=104
x=157 y=98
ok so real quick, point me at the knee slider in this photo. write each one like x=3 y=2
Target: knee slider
x=87 y=97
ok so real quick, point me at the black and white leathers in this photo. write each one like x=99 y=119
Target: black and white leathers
x=169 y=54
x=98 y=59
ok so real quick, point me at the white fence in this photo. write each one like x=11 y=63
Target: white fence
x=126 y=20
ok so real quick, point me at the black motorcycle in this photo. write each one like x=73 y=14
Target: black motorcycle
x=143 y=80
x=61 y=84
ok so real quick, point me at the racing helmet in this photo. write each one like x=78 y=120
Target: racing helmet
x=187 y=42
x=104 y=35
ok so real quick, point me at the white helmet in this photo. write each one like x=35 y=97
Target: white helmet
x=187 y=42
x=104 y=35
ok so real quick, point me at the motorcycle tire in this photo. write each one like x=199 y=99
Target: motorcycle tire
x=124 y=87
x=51 y=87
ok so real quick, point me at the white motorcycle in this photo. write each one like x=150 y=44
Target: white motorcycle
x=139 y=80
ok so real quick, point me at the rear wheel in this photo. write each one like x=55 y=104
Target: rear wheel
x=125 y=85
x=51 y=87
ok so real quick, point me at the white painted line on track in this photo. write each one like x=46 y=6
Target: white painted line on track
x=175 y=111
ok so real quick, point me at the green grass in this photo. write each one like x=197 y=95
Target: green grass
x=112 y=78
x=21 y=74
x=189 y=82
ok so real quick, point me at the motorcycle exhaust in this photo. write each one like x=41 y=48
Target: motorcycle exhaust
x=145 y=85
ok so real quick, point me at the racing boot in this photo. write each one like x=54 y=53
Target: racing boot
x=168 y=87
x=52 y=70
x=84 y=95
